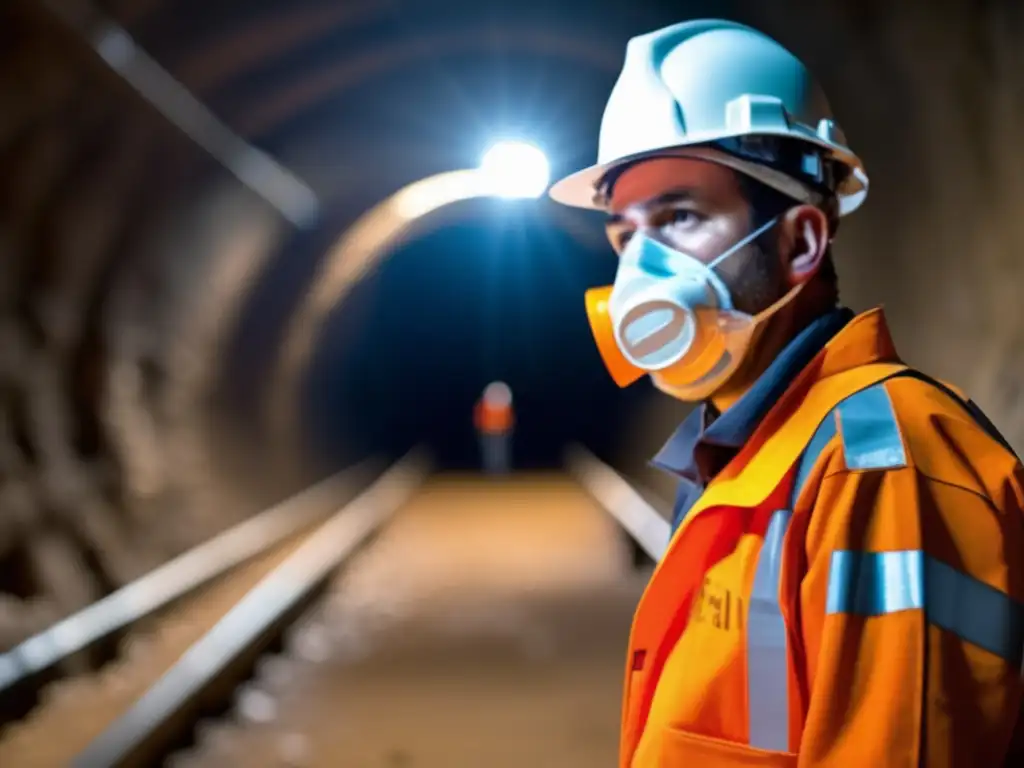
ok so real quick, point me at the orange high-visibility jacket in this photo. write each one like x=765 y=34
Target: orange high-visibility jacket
x=492 y=419
x=848 y=591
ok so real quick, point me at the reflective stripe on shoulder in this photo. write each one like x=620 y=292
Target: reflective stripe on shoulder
x=871 y=435
x=879 y=583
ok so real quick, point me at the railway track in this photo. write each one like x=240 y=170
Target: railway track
x=485 y=623
x=152 y=622
x=78 y=709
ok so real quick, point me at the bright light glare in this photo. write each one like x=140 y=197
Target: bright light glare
x=515 y=169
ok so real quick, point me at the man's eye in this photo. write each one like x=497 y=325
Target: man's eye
x=622 y=240
x=682 y=217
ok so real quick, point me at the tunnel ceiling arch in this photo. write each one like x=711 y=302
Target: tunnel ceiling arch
x=127 y=252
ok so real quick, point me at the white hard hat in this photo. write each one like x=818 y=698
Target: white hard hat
x=721 y=91
x=498 y=394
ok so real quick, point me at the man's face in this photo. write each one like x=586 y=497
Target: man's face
x=698 y=208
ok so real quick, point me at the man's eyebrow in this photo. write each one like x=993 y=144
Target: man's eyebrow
x=670 y=197
x=683 y=194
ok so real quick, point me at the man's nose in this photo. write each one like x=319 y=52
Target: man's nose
x=649 y=254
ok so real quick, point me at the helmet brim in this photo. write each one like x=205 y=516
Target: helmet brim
x=580 y=189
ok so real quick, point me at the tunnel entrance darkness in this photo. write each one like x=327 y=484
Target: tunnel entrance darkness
x=494 y=295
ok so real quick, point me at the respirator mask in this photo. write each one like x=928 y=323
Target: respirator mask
x=670 y=316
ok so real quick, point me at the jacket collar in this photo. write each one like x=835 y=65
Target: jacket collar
x=731 y=429
x=866 y=339
x=830 y=345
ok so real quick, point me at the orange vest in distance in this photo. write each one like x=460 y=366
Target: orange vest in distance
x=492 y=419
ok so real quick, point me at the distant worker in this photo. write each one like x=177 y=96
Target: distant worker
x=844 y=586
x=493 y=419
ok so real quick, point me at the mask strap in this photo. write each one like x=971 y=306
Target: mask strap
x=744 y=242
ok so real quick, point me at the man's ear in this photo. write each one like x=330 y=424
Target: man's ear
x=803 y=242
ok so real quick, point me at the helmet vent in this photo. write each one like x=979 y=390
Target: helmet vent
x=756 y=114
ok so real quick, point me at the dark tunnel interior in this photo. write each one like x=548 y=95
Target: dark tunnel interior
x=488 y=290
x=494 y=298
x=158 y=242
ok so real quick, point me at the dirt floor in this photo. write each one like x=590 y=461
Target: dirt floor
x=485 y=628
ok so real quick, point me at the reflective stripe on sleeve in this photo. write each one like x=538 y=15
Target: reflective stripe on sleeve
x=879 y=583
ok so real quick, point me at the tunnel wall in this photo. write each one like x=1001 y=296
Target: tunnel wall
x=123 y=250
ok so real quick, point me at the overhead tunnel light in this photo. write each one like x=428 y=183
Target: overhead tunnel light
x=515 y=169
x=509 y=169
